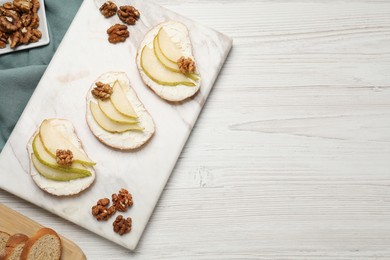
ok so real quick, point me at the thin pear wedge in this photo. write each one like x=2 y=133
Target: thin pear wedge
x=107 y=124
x=169 y=49
x=120 y=101
x=54 y=174
x=172 y=66
x=111 y=112
x=53 y=140
x=160 y=74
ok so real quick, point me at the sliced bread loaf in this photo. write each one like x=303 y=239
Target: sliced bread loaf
x=14 y=246
x=44 y=245
x=4 y=236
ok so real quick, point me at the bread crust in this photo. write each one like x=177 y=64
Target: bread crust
x=3 y=243
x=12 y=244
x=32 y=240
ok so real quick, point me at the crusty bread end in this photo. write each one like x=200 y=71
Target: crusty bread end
x=44 y=245
x=14 y=246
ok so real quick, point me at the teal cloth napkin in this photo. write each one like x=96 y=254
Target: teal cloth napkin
x=21 y=71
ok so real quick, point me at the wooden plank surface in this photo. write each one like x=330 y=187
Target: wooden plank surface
x=291 y=157
x=13 y=222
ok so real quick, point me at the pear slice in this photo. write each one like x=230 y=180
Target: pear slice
x=112 y=113
x=172 y=66
x=53 y=140
x=109 y=125
x=164 y=60
x=120 y=101
x=169 y=49
x=158 y=73
x=45 y=158
x=55 y=174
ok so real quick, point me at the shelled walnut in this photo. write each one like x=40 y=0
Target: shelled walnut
x=26 y=19
x=64 y=157
x=186 y=65
x=9 y=6
x=10 y=21
x=122 y=225
x=34 y=14
x=23 y=5
x=36 y=35
x=3 y=39
x=102 y=91
x=14 y=39
x=101 y=211
x=122 y=200
x=108 y=9
x=117 y=33
x=128 y=14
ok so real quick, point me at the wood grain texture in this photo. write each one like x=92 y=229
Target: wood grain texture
x=290 y=158
x=12 y=222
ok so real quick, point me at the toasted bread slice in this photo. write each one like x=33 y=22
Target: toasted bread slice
x=14 y=246
x=61 y=188
x=44 y=245
x=128 y=140
x=170 y=93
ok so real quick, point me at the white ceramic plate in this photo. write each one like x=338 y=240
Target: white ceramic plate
x=42 y=27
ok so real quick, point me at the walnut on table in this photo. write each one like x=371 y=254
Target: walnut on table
x=128 y=14
x=122 y=200
x=122 y=225
x=108 y=9
x=101 y=211
x=117 y=33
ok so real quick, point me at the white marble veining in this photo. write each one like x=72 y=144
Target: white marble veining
x=82 y=57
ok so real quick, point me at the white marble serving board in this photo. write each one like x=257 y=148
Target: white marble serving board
x=83 y=55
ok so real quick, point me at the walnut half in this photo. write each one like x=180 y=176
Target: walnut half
x=108 y=9
x=64 y=157
x=23 y=5
x=122 y=225
x=117 y=33
x=186 y=65
x=122 y=200
x=101 y=211
x=128 y=14
x=10 y=21
x=102 y=91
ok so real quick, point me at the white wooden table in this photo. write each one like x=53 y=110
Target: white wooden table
x=290 y=158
